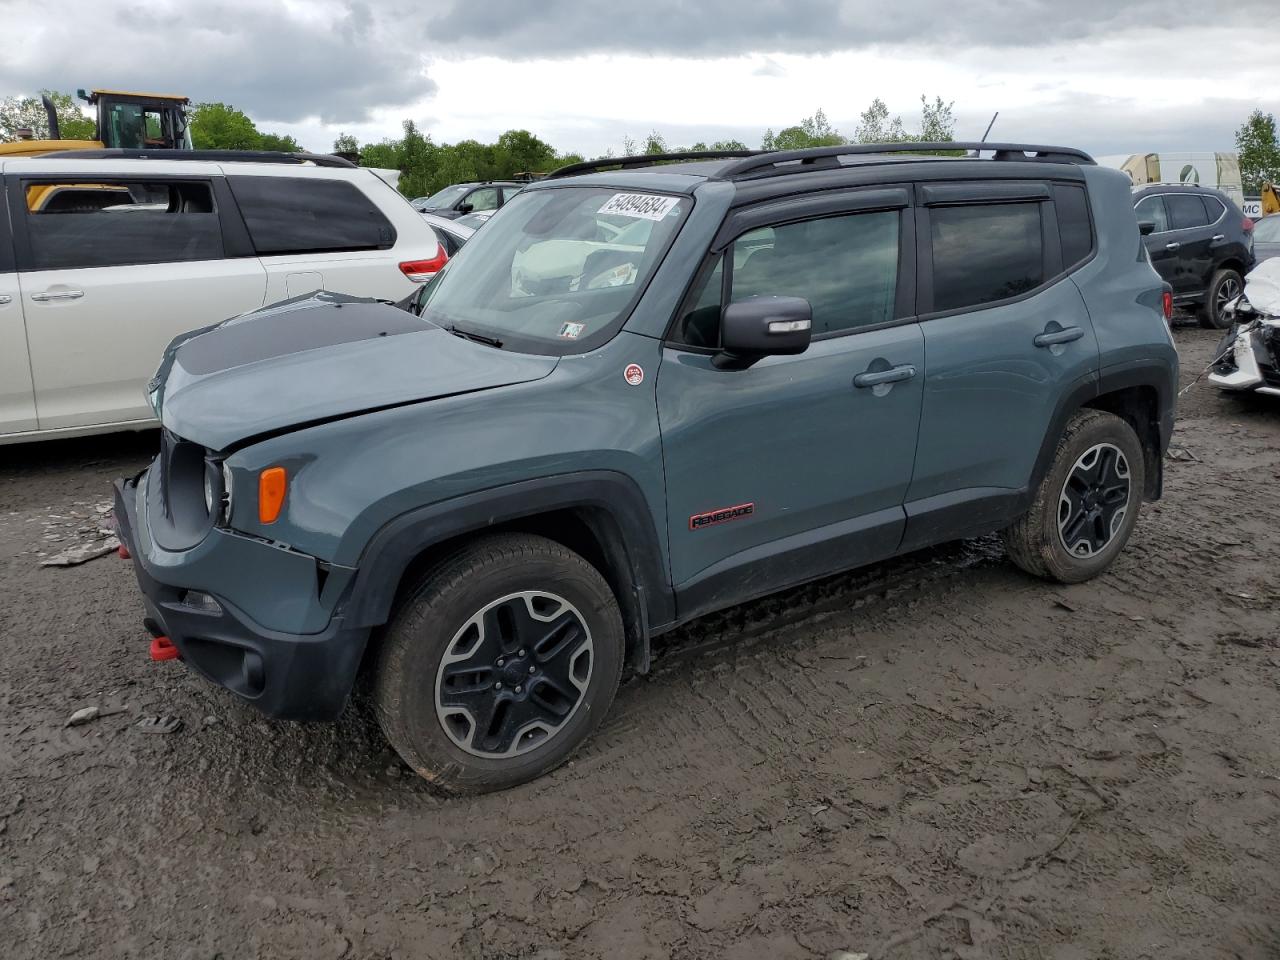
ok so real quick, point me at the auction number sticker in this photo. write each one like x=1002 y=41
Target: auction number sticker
x=572 y=331
x=645 y=206
x=634 y=374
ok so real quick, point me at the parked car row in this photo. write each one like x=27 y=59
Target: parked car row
x=462 y=199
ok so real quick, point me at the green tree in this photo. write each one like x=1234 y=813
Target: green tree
x=655 y=143
x=519 y=151
x=275 y=141
x=814 y=131
x=937 y=122
x=17 y=113
x=220 y=126
x=874 y=125
x=1259 y=151
x=346 y=143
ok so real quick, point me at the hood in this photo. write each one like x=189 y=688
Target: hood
x=320 y=357
x=1262 y=287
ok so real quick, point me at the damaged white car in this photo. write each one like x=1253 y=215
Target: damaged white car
x=1248 y=358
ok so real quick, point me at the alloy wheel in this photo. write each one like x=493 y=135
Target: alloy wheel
x=514 y=675
x=1228 y=290
x=1094 y=500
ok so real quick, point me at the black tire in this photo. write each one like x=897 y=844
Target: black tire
x=1224 y=286
x=1038 y=544
x=439 y=617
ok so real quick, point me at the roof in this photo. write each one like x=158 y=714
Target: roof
x=757 y=175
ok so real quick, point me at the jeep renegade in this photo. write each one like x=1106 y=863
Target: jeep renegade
x=648 y=389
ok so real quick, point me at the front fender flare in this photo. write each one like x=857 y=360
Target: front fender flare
x=634 y=541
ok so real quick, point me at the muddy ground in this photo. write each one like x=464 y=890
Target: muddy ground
x=939 y=757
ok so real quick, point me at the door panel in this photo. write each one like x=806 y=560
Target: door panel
x=992 y=380
x=795 y=439
x=17 y=398
x=92 y=354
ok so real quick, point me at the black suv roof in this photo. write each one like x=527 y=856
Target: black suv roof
x=1176 y=188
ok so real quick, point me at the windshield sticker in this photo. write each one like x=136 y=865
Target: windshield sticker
x=645 y=206
x=572 y=331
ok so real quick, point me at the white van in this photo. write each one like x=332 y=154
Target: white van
x=105 y=259
x=1218 y=170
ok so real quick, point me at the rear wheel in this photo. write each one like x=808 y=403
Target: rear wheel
x=1087 y=504
x=1224 y=287
x=500 y=663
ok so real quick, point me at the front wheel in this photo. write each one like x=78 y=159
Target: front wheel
x=1086 y=506
x=500 y=663
x=1224 y=286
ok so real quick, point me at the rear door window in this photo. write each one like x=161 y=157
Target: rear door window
x=1185 y=211
x=90 y=222
x=1152 y=209
x=985 y=253
x=1213 y=208
x=306 y=215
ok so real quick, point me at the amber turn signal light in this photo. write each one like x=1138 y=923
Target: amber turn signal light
x=272 y=484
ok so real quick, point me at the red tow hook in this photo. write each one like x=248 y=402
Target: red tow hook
x=122 y=552
x=162 y=648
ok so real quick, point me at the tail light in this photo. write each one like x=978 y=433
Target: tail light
x=1166 y=303
x=420 y=271
x=1248 y=225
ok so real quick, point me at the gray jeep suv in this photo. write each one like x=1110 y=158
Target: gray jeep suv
x=649 y=388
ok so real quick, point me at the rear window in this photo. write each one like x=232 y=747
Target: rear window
x=1185 y=210
x=983 y=254
x=110 y=223
x=1074 y=229
x=297 y=215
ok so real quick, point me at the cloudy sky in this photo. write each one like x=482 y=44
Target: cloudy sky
x=1111 y=76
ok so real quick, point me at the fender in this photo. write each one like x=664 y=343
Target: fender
x=632 y=544
x=1150 y=372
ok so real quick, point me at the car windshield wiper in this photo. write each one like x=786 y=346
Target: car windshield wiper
x=477 y=337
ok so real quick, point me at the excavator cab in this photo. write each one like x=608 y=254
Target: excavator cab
x=132 y=121
x=140 y=121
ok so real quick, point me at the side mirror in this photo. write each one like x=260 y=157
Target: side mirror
x=762 y=327
x=1146 y=227
x=465 y=208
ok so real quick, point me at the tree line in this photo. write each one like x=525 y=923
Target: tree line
x=426 y=166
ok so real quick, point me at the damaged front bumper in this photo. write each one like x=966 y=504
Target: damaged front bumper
x=293 y=674
x=1248 y=357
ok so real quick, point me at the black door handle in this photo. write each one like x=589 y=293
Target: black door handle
x=877 y=377
x=1051 y=337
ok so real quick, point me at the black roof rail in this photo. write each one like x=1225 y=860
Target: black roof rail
x=223 y=156
x=767 y=164
x=646 y=160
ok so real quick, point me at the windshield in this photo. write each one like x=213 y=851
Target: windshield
x=445 y=197
x=1267 y=230
x=554 y=269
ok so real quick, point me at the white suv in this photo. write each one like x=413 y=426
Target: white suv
x=103 y=261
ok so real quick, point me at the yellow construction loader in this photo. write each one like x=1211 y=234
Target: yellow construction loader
x=134 y=121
